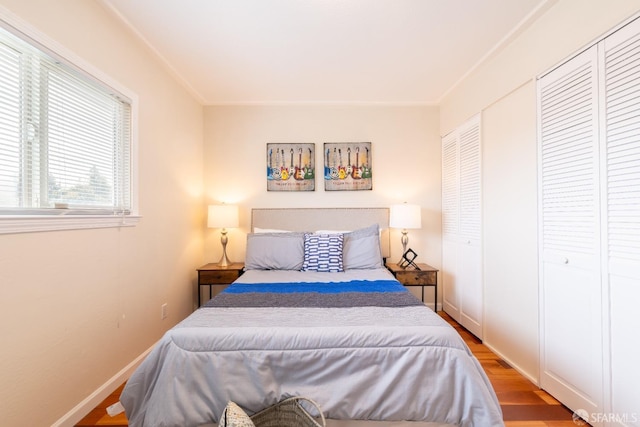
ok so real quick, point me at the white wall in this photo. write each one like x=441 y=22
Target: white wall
x=78 y=306
x=405 y=162
x=503 y=89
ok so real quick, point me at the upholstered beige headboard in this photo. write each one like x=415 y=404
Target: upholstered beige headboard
x=313 y=219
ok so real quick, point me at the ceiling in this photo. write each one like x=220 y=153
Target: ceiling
x=324 y=51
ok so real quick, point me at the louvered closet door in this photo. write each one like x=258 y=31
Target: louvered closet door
x=450 y=224
x=622 y=186
x=571 y=312
x=461 y=214
x=470 y=256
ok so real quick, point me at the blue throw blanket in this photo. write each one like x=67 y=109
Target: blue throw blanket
x=355 y=293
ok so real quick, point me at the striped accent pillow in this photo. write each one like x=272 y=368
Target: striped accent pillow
x=323 y=252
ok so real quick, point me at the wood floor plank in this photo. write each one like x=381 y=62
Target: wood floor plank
x=535 y=412
x=525 y=424
x=514 y=397
x=549 y=400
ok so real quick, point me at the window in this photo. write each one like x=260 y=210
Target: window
x=65 y=139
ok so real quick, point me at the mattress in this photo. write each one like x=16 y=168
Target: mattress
x=383 y=357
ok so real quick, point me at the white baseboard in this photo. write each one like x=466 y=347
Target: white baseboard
x=81 y=410
x=513 y=365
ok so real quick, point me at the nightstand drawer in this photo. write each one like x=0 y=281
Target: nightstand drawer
x=218 y=276
x=416 y=277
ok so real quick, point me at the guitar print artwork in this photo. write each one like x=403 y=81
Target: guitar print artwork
x=275 y=170
x=355 y=173
x=298 y=174
x=327 y=168
x=284 y=171
x=309 y=172
x=342 y=171
x=355 y=170
x=366 y=169
x=286 y=161
x=333 y=170
x=291 y=168
x=270 y=163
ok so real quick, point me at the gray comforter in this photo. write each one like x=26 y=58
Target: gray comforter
x=358 y=363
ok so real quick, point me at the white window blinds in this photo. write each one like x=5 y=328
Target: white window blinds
x=65 y=138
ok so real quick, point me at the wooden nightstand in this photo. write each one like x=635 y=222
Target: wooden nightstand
x=213 y=274
x=426 y=276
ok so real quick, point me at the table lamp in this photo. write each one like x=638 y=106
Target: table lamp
x=405 y=216
x=223 y=217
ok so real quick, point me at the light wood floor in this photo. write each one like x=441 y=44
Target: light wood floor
x=523 y=404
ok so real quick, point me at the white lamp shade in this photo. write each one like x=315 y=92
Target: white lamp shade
x=405 y=216
x=223 y=216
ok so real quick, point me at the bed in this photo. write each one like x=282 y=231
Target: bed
x=315 y=314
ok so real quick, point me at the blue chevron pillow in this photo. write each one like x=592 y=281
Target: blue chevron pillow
x=323 y=252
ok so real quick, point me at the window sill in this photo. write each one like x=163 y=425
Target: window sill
x=38 y=223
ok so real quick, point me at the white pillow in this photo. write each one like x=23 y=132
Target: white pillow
x=362 y=249
x=269 y=230
x=274 y=251
x=332 y=231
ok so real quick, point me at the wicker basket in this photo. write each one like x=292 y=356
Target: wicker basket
x=289 y=413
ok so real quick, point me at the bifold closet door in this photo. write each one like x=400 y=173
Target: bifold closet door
x=470 y=255
x=570 y=267
x=621 y=183
x=450 y=225
x=461 y=224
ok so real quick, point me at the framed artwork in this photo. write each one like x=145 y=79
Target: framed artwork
x=290 y=167
x=347 y=166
